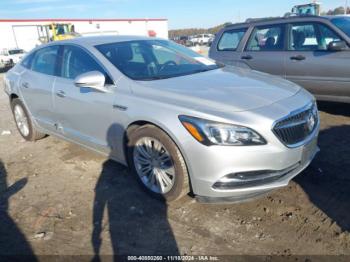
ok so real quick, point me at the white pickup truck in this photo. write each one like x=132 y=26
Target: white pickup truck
x=4 y=62
x=10 y=57
x=202 y=39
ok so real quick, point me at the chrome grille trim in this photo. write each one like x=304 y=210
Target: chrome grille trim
x=293 y=130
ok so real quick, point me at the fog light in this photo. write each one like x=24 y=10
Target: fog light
x=251 y=178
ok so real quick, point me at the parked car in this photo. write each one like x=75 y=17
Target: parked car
x=202 y=39
x=312 y=51
x=7 y=59
x=177 y=119
x=210 y=42
x=5 y=62
x=183 y=40
x=13 y=55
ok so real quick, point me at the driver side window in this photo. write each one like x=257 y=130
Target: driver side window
x=76 y=61
x=311 y=37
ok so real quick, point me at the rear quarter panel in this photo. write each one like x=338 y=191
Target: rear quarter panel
x=11 y=80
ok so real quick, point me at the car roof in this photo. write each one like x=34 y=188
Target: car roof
x=106 y=39
x=285 y=19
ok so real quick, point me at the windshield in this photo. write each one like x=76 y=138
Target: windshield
x=308 y=9
x=343 y=23
x=62 y=29
x=16 y=52
x=154 y=59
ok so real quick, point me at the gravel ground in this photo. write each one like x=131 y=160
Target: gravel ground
x=58 y=198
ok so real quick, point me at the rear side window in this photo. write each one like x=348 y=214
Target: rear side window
x=267 y=38
x=76 y=61
x=230 y=40
x=27 y=61
x=44 y=60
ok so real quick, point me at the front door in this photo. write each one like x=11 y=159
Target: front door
x=312 y=65
x=83 y=114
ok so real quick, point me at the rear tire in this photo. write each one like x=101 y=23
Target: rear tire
x=157 y=163
x=23 y=121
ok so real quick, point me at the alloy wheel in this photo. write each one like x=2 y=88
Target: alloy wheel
x=21 y=120
x=154 y=165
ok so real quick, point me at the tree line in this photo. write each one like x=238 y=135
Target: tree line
x=337 y=11
x=196 y=31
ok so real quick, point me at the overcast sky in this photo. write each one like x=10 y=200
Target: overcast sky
x=181 y=13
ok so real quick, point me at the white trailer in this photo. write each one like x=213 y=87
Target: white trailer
x=26 y=34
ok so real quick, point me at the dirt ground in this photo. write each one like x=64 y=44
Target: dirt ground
x=57 y=198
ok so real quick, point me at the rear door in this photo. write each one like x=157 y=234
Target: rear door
x=310 y=63
x=82 y=114
x=265 y=49
x=37 y=82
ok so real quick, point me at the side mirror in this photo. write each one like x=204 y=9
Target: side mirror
x=94 y=79
x=337 y=46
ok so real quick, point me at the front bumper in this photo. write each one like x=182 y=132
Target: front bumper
x=243 y=194
x=285 y=162
x=208 y=165
x=217 y=162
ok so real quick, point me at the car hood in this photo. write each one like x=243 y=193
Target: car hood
x=228 y=89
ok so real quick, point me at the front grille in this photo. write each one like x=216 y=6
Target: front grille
x=298 y=126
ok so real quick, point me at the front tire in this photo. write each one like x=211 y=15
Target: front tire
x=23 y=121
x=157 y=163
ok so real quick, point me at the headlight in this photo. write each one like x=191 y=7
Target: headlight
x=213 y=133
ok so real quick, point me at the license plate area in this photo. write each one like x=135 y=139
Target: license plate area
x=308 y=151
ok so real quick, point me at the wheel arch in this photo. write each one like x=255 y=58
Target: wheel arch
x=139 y=123
x=135 y=125
x=13 y=96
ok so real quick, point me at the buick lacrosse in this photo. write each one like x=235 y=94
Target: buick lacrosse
x=181 y=122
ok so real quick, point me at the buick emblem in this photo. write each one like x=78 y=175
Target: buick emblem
x=311 y=123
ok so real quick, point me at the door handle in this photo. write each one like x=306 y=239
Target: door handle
x=61 y=93
x=298 y=58
x=247 y=57
x=25 y=85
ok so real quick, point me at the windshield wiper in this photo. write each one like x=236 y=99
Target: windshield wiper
x=203 y=70
x=153 y=78
x=176 y=75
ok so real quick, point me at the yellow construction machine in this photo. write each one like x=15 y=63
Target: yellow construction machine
x=56 y=32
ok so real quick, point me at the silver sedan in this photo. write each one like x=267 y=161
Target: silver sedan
x=180 y=121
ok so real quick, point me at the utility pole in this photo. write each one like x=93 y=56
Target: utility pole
x=346 y=7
